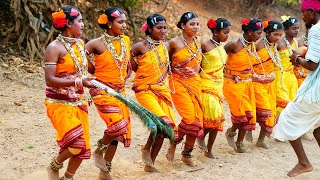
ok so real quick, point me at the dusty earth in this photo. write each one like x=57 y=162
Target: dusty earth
x=27 y=138
x=27 y=143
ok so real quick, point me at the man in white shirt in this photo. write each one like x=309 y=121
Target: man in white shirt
x=304 y=111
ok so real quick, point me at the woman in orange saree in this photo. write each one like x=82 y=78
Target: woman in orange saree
x=212 y=65
x=264 y=87
x=238 y=87
x=66 y=69
x=185 y=54
x=152 y=66
x=111 y=54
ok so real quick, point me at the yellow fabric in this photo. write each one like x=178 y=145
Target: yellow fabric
x=286 y=82
x=108 y=72
x=65 y=64
x=74 y=151
x=151 y=77
x=187 y=90
x=106 y=68
x=240 y=95
x=265 y=93
x=300 y=73
x=65 y=118
x=212 y=84
x=69 y=120
x=149 y=70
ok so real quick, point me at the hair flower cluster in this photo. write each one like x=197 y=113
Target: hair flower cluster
x=59 y=19
x=266 y=23
x=103 y=19
x=212 y=24
x=245 y=22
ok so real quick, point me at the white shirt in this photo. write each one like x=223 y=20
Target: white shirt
x=310 y=88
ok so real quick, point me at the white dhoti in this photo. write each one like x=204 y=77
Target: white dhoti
x=297 y=119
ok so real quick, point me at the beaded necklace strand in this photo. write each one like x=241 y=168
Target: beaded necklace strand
x=81 y=69
x=121 y=60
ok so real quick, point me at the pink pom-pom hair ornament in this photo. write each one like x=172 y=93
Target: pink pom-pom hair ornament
x=144 y=27
x=115 y=14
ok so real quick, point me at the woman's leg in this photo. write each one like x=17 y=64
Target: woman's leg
x=212 y=137
x=188 y=147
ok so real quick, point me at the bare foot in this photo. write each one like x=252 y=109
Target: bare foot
x=150 y=169
x=99 y=160
x=202 y=144
x=230 y=138
x=262 y=144
x=146 y=156
x=188 y=161
x=306 y=137
x=105 y=175
x=52 y=174
x=299 y=169
x=170 y=152
x=209 y=154
x=249 y=136
x=239 y=147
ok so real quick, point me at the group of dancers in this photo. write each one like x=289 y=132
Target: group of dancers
x=257 y=75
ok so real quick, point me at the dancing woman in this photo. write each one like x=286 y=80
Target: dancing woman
x=213 y=63
x=237 y=87
x=152 y=66
x=65 y=70
x=111 y=54
x=185 y=55
x=286 y=82
x=264 y=83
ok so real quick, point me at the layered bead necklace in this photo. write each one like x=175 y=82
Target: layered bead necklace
x=274 y=56
x=290 y=52
x=80 y=62
x=252 y=52
x=305 y=39
x=217 y=44
x=121 y=60
x=194 y=53
x=162 y=64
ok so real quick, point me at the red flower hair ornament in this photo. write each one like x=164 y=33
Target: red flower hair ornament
x=245 y=22
x=212 y=24
x=59 y=19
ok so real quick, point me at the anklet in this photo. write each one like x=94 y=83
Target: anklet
x=64 y=178
x=102 y=147
x=108 y=164
x=55 y=165
x=69 y=173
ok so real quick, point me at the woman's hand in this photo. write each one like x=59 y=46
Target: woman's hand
x=86 y=81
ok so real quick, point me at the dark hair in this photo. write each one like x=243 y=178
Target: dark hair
x=253 y=25
x=67 y=11
x=221 y=24
x=273 y=26
x=108 y=12
x=185 y=18
x=152 y=20
x=289 y=22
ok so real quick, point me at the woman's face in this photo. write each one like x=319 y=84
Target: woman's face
x=255 y=35
x=293 y=30
x=223 y=34
x=76 y=26
x=159 y=31
x=119 y=25
x=275 y=36
x=191 y=27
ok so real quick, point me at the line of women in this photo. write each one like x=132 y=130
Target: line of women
x=191 y=74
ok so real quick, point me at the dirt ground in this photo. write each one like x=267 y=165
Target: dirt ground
x=27 y=144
